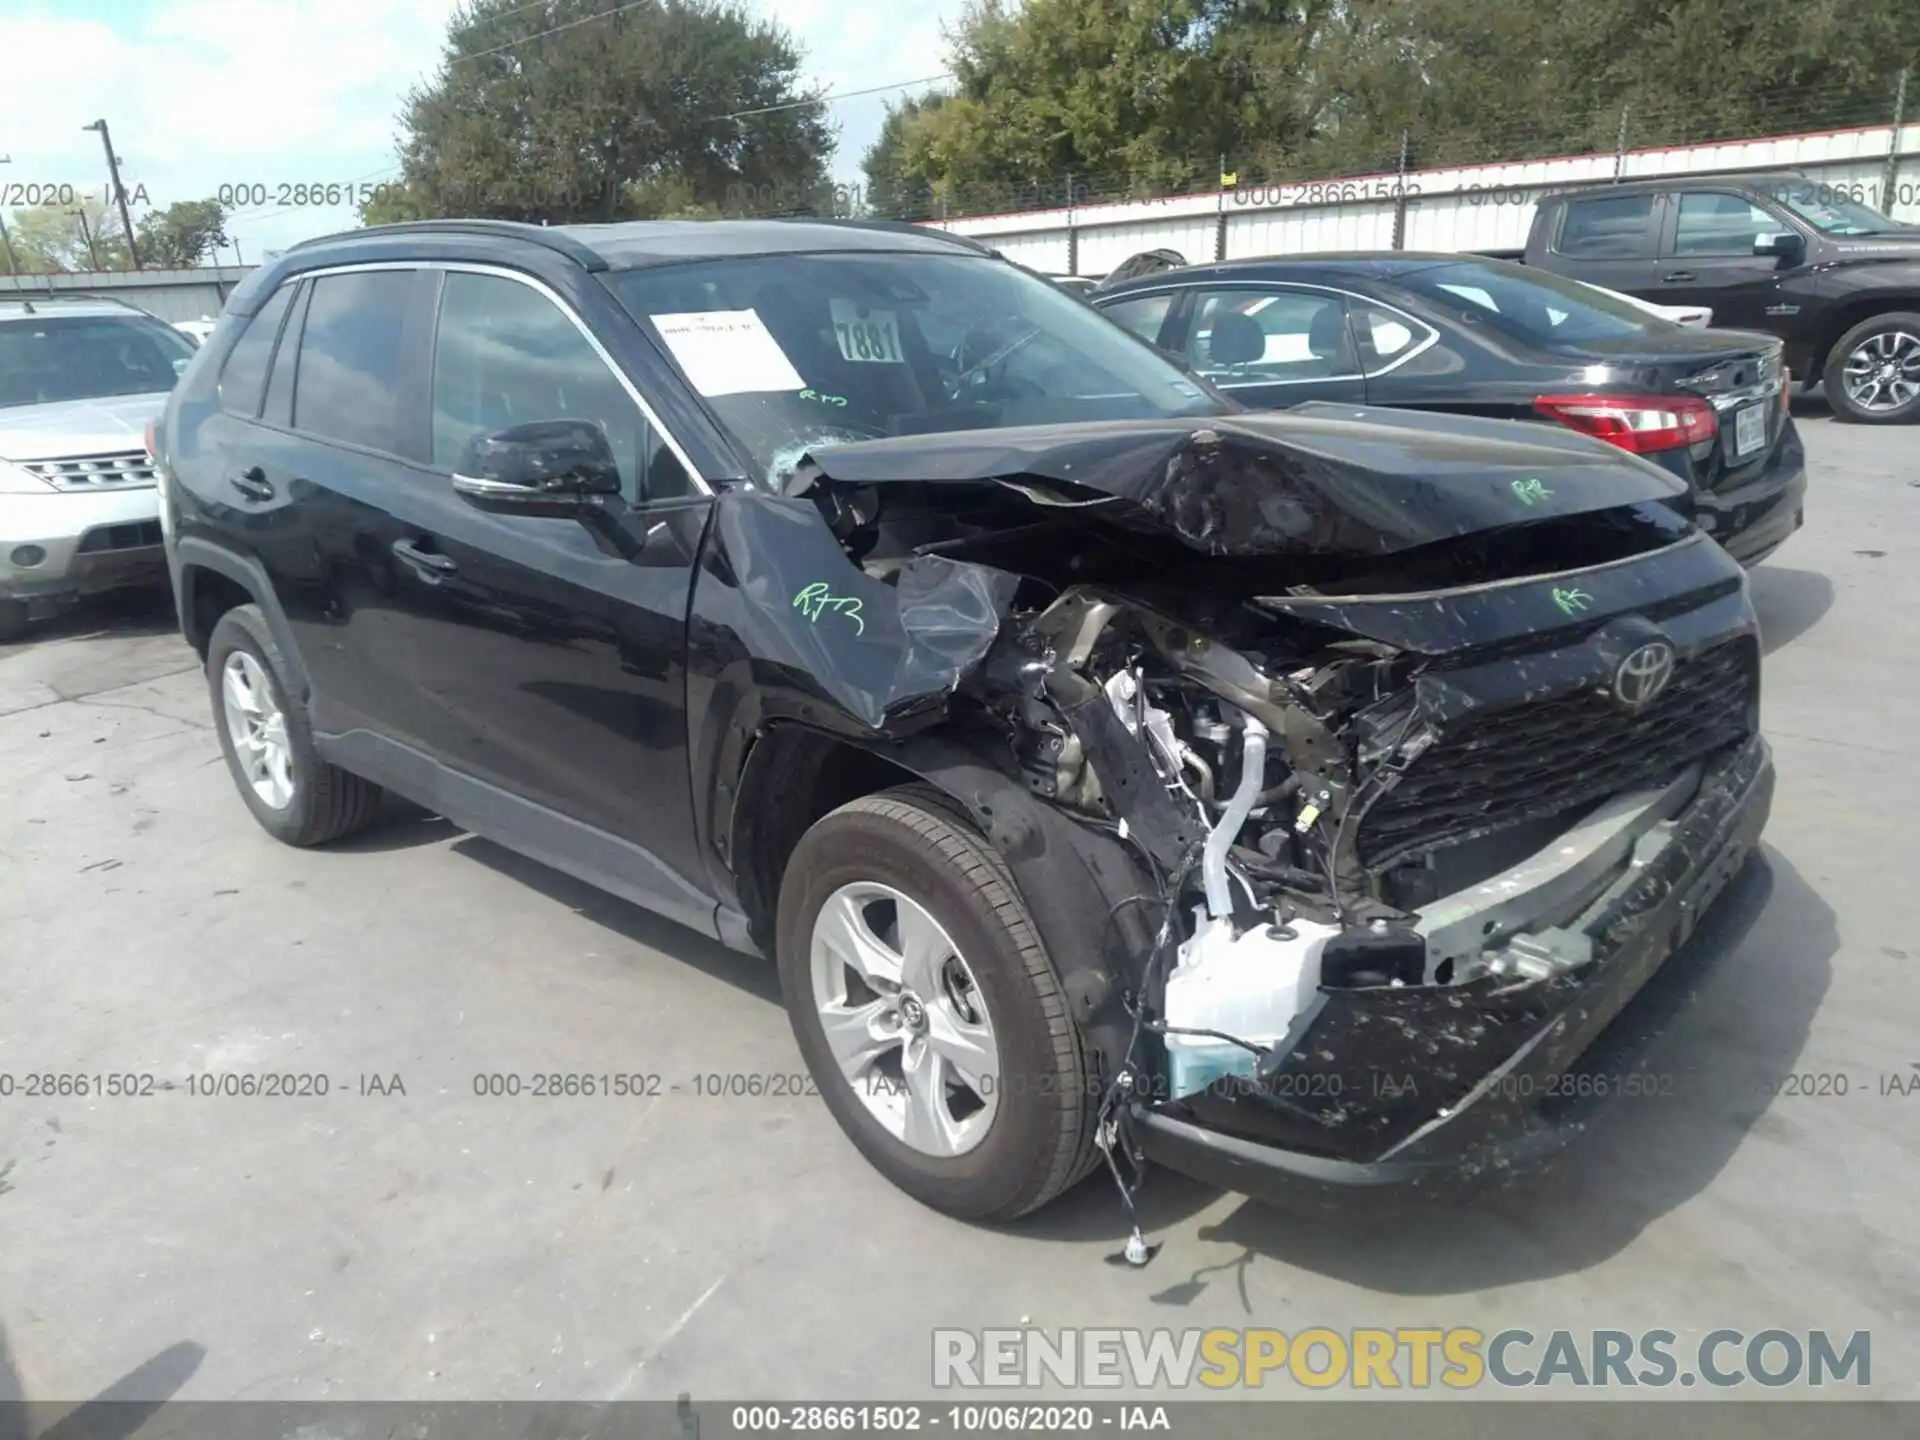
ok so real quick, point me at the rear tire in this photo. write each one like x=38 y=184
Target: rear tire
x=1866 y=361
x=297 y=797
x=1032 y=1137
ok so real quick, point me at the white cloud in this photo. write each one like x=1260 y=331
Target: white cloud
x=268 y=94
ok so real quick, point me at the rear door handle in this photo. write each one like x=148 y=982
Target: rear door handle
x=1681 y=275
x=253 y=484
x=430 y=563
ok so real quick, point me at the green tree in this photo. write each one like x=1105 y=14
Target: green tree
x=1128 y=95
x=55 y=237
x=576 y=110
x=894 y=191
x=185 y=234
x=1147 y=96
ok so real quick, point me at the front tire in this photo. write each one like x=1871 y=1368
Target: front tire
x=928 y=1012
x=14 y=615
x=1872 y=375
x=296 y=796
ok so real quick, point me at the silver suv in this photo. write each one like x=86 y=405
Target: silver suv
x=80 y=380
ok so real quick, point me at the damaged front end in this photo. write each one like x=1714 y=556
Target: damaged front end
x=1433 y=742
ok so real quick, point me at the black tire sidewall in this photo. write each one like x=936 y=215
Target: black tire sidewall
x=245 y=628
x=1833 y=381
x=1006 y=1173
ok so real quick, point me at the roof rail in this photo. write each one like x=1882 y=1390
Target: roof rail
x=553 y=239
x=36 y=298
x=897 y=227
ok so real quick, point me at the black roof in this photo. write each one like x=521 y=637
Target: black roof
x=1330 y=264
x=635 y=244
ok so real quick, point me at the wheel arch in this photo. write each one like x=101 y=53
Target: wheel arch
x=1076 y=881
x=209 y=580
x=1845 y=316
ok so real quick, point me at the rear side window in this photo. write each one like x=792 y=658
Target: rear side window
x=1265 y=337
x=350 y=365
x=245 y=374
x=1607 y=227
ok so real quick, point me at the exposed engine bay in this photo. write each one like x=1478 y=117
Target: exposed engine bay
x=1401 y=723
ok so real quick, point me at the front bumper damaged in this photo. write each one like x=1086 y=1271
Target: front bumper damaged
x=1395 y=1085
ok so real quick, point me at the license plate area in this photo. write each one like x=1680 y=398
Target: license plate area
x=1749 y=430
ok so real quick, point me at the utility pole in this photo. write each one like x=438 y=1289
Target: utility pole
x=6 y=240
x=86 y=230
x=119 y=190
x=1892 y=174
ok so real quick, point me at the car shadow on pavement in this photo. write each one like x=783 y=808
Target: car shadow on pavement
x=400 y=825
x=1789 y=603
x=749 y=973
x=116 y=1413
x=1725 y=1020
x=1810 y=405
x=119 y=612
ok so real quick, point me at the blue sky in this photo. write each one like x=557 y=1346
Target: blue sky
x=265 y=93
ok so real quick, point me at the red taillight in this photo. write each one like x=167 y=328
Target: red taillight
x=1640 y=423
x=152 y=426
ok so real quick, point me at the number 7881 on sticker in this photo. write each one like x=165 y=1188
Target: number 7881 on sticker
x=866 y=335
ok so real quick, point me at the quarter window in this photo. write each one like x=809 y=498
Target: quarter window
x=507 y=355
x=1385 y=336
x=245 y=373
x=278 y=409
x=350 y=359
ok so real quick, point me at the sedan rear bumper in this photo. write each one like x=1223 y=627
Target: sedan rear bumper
x=1505 y=1048
x=1750 y=521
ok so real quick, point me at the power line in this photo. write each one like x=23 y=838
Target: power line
x=835 y=95
x=542 y=34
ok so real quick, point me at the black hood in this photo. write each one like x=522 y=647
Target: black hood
x=1329 y=480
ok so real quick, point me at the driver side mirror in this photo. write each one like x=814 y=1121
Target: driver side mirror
x=548 y=468
x=1788 y=245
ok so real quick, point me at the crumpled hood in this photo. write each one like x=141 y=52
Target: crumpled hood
x=113 y=424
x=1320 y=479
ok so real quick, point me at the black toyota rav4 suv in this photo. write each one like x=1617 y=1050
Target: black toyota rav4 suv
x=1114 y=774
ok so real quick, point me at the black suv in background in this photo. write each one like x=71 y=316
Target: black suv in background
x=1837 y=281
x=1109 y=770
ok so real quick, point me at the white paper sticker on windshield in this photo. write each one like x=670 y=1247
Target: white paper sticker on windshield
x=727 y=352
x=866 y=334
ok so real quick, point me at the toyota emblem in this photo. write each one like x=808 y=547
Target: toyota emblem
x=1643 y=674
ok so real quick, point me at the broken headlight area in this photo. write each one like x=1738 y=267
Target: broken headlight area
x=1401 y=800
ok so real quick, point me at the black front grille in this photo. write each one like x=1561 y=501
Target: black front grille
x=134 y=535
x=1538 y=760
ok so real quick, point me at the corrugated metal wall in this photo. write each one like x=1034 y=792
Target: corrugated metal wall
x=1485 y=207
x=170 y=294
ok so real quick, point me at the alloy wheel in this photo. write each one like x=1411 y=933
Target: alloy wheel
x=904 y=1019
x=1883 y=372
x=258 y=729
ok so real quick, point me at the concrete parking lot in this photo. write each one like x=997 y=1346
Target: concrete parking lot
x=403 y=1237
